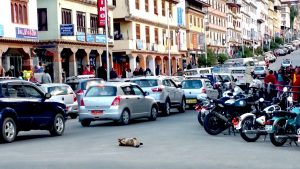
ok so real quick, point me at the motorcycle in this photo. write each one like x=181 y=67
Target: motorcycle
x=226 y=113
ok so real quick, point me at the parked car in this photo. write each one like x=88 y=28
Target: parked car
x=63 y=92
x=193 y=87
x=164 y=90
x=286 y=63
x=280 y=52
x=270 y=57
x=24 y=106
x=260 y=71
x=81 y=83
x=120 y=102
x=177 y=79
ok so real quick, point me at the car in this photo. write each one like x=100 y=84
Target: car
x=81 y=83
x=193 y=87
x=24 y=106
x=286 y=63
x=177 y=79
x=280 y=52
x=260 y=71
x=64 y=93
x=120 y=102
x=270 y=57
x=164 y=90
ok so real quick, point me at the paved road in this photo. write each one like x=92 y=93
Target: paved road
x=295 y=58
x=174 y=142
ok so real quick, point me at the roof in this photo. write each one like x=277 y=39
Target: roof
x=53 y=84
x=117 y=84
x=150 y=77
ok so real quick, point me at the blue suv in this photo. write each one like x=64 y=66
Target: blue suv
x=24 y=107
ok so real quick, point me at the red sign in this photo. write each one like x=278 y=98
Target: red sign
x=101 y=13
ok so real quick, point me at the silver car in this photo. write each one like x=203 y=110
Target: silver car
x=164 y=90
x=119 y=102
x=260 y=71
x=63 y=92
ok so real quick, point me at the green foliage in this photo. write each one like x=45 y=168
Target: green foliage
x=258 y=51
x=247 y=52
x=274 y=45
x=266 y=48
x=293 y=15
x=279 y=40
x=211 y=59
x=222 y=58
x=201 y=60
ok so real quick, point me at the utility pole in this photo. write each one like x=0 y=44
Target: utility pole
x=169 y=43
x=106 y=39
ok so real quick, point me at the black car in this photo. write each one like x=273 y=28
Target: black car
x=24 y=107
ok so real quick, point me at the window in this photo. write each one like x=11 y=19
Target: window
x=42 y=19
x=163 y=7
x=195 y=22
x=171 y=36
x=147 y=34
x=58 y=90
x=170 y=9
x=137 y=4
x=164 y=35
x=66 y=16
x=19 y=12
x=32 y=92
x=101 y=91
x=128 y=90
x=14 y=91
x=138 y=31
x=80 y=22
x=147 y=5
x=156 y=35
x=155 y=7
x=137 y=91
x=94 y=24
x=191 y=19
x=198 y=21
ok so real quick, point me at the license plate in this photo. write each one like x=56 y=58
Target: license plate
x=97 y=112
x=190 y=101
x=268 y=128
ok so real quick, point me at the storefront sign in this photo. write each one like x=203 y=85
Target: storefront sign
x=90 y=38
x=26 y=33
x=139 y=44
x=179 y=16
x=100 y=39
x=66 y=30
x=1 y=30
x=80 y=36
x=101 y=12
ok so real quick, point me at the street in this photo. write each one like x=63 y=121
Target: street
x=294 y=57
x=177 y=141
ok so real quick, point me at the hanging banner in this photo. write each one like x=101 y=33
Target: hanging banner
x=101 y=12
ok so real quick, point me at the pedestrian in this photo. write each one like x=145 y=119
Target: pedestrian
x=129 y=73
x=270 y=81
x=2 y=71
x=46 y=78
x=10 y=72
x=157 y=70
x=32 y=78
x=296 y=85
x=113 y=74
x=141 y=71
x=148 y=72
x=102 y=73
x=19 y=75
x=280 y=80
x=87 y=70
x=124 y=74
x=136 y=72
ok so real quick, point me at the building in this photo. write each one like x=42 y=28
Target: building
x=69 y=36
x=277 y=18
x=262 y=22
x=217 y=26
x=234 y=30
x=143 y=36
x=195 y=13
x=18 y=34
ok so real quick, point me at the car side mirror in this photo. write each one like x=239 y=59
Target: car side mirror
x=47 y=96
x=146 y=93
x=179 y=86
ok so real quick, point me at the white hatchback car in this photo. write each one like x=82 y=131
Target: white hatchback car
x=63 y=92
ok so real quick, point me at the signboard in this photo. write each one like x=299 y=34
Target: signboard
x=80 y=36
x=90 y=38
x=179 y=16
x=26 y=33
x=66 y=30
x=100 y=39
x=101 y=12
x=1 y=30
x=139 y=44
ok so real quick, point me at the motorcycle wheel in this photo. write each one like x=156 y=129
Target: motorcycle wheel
x=212 y=124
x=247 y=124
x=201 y=118
x=279 y=130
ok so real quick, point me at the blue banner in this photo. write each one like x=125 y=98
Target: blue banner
x=179 y=16
x=1 y=30
x=26 y=33
x=90 y=38
x=66 y=30
x=100 y=39
x=139 y=44
x=80 y=36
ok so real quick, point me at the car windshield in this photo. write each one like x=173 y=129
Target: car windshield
x=258 y=68
x=86 y=84
x=73 y=85
x=225 y=78
x=101 y=91
x=286 y=62
x=58 y=90
x=191 y=84
x=145 y=82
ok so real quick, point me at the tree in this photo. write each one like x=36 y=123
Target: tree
x=211 y=59
x=201 y=60
x=273 y=45
x=222 y=58
x=258 y=51
x=279 y=40
x=247 y=52
x=293 y=15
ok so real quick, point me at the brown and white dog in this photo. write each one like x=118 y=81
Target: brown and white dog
x=131 y=142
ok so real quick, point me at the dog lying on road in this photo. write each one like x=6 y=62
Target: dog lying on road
x=131 y=142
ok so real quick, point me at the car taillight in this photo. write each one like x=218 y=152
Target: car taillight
x=157 y=89
x=269 y=122
x=75 y=99
x=203 y=90
x=116 y=101
x=81 y=102
x=79 y=92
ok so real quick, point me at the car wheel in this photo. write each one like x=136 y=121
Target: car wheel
x=182 y=106
x=167 y=108
x=58 y=126
x=73 y=116
x=85 y=123
x=125 y=117
x=9 y=130
x=153 y=114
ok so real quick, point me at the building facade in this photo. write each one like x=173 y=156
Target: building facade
x=143 y=28
x=195 y=14
x=18 y=34
x=69 y=36
x=262 y=22
x=217 y=26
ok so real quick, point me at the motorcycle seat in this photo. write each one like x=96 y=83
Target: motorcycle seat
x=283 y=113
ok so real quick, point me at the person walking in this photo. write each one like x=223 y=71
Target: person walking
x=270 y=81
x=296 y=85
x=46 y=78
x=87 y=70
x=102 y=73
x=113 y=74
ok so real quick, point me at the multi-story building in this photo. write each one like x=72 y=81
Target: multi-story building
x=70 y=37
x=249 y=23
x=277 y=17
x=270 y=26
x=18 y=34
x=262 y=21
x=233 y=27
x=195 y=13
x=143 y=28
x=217 y=26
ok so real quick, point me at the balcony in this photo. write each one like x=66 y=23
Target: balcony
x=233 y=3
x=197 y=5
